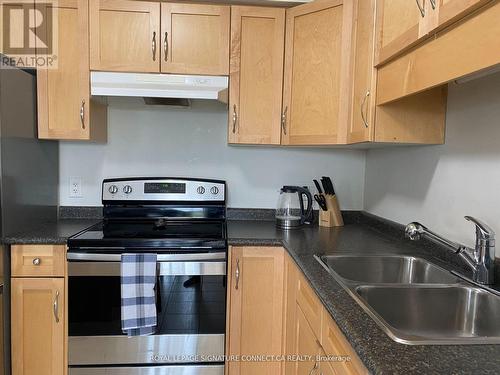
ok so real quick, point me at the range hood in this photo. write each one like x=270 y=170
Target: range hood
x=151 y=85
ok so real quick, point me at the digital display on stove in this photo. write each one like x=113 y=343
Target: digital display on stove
x=164 y=188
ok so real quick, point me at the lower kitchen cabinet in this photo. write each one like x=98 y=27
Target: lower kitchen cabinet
x=334 y=343
x=38 y=326
x=255 y=303
x=304 y=344
x=38 y=310
x=311 y=333
x=272 y=310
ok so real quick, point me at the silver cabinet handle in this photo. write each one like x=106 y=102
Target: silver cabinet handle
x=56 y=307
x=82 y=113
x=165 y=46
x=37 y=261
x=283 y=120
x=153 y=46
x=235 y=118
x=421 y=7
x=364 y=113
x=313 y=370
x=433 y=4
x=237 y=274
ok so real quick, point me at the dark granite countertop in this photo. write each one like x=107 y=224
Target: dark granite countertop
x=49 y=232
x=362 y=234
x=380 y=354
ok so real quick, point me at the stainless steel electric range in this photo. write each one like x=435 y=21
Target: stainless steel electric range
x=184 y=222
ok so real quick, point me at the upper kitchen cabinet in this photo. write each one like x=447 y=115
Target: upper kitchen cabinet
x=361 y=122
x=125 y=36
x=316 y=93
x=417 y=120
x=404 y=23
x=256 y=75
x=195 y=39
x=459 y=50
x=451 y=10
x=65 y=109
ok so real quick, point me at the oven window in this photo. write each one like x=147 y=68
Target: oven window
x=185 y=305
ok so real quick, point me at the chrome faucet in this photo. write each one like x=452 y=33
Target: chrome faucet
x=480 y=259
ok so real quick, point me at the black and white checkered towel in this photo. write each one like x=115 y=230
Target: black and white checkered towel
x=138 y=278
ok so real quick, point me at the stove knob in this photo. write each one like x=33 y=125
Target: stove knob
x=214 y=190
x=200 y=190
x=127 y=189
x=113 y=189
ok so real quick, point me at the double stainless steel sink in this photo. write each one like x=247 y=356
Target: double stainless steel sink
x=417 y=302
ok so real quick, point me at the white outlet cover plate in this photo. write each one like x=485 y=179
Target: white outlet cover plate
x=75 y=187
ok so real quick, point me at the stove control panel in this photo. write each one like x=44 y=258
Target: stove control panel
x=164 y=190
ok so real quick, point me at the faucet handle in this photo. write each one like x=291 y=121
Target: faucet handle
x=483 y=231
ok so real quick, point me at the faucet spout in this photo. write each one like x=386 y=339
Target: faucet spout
x=416 y=231
x=480 y=259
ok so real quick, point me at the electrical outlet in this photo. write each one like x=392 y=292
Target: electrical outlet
x=75 y=187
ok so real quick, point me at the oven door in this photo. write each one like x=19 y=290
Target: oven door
x=191 y=312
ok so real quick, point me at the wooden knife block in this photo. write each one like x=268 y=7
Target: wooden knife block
x=332 y=217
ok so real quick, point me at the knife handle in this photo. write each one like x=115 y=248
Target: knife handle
x=318 y=186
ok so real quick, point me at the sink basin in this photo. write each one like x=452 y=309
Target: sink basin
x=390 y=269
x=434 y=314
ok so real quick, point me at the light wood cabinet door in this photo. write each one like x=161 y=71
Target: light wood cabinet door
x=404 y=23
x=125 y=36
x=317 y=72
x=364 y=74
x=63 y=93
x=462 y=49
x=256 y=75
x=326 y=368
x=195 y=39
x=307 y=346
x=453 y=10
x=255 y=300
x=418 y=120
x=38 y=334
x=401 y=24
x=335 y=344
x=302 y=309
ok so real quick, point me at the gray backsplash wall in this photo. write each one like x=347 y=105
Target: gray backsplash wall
x=438 y=185
x=169 y=141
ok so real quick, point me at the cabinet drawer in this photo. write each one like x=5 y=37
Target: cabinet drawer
x=309 y=304
x=335 y=344
x=38 y=260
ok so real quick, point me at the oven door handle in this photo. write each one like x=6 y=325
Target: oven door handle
x=102 y=269
x=104 y=257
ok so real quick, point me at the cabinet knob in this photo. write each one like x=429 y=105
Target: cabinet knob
x=37 y=261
